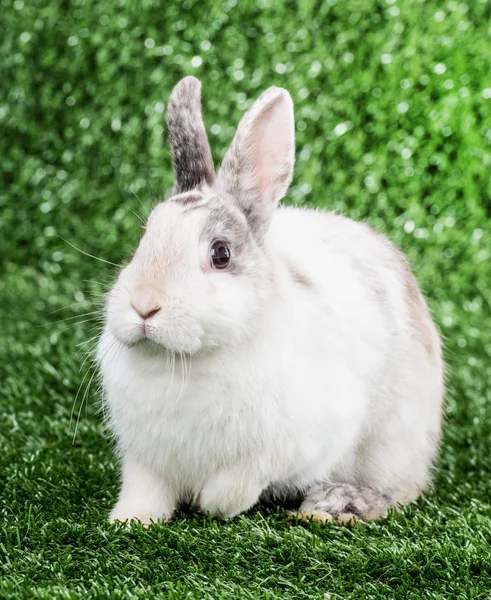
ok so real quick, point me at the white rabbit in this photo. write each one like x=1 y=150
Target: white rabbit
x=251 y=350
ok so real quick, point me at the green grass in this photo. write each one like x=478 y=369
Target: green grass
x=82 y=134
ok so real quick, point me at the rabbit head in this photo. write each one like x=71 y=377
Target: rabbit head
x=201 y=275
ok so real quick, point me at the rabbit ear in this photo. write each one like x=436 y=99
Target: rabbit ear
x=191 y=154
x=258 y=166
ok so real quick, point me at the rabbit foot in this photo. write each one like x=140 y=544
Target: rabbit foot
x=344 y=503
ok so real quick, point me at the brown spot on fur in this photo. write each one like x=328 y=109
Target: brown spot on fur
x=420 y=316
x=419 y=313
x=298 y=276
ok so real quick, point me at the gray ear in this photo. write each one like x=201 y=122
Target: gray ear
x=191 y=154
x=258 y=166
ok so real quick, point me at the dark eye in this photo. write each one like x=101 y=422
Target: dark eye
x=219 y=255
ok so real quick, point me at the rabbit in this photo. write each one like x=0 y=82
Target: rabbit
x=253 y=351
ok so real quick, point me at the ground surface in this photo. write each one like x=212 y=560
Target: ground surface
x=393 y=126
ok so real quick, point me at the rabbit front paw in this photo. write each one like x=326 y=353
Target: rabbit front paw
x=130 y=510
x=143 y=497
x=227 y=495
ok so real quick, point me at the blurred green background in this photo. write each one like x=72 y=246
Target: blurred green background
x=393 y=109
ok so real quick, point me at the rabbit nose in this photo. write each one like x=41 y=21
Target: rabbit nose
x=144 y=314
x=145 y=302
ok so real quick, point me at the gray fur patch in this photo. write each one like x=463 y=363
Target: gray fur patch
x=187 y=199
x=343 y=501
x=194 y=207
x=229 y=225
x=191 y=154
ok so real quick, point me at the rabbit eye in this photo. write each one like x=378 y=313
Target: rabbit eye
x=219 y=255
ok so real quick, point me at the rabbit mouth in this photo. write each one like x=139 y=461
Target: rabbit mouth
x=152 y=343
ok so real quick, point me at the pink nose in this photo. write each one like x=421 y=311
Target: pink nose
x=145 y=299
x=146 y=314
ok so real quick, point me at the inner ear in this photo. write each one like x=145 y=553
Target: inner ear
x=191 y=154
x=270 y=142
x=258 y=167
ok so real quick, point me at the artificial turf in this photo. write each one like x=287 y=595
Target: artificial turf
x=393 y=108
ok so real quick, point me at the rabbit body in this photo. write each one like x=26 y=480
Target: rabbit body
x=332 y=387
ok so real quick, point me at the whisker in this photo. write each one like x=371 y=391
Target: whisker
x=182 y=377
x=90 y=255
x=98 y=327
x=138 y=217
x=145 y=210
x=69 y=327
x=116 y=354
x=97 y=282
x=87 y=389
x=76 y=398
x=89 y=355
x=190 y=367
x=155 y=198
x=82 y=404
x=82 y=344
x=67 y=307
x=186 y=375
x=94 y=312
x=188 y=371
x=173 y=367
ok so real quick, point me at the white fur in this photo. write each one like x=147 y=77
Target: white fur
x=245 y=383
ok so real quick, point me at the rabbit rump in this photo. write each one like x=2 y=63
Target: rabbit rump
x=252 y=351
